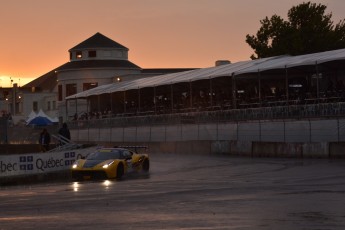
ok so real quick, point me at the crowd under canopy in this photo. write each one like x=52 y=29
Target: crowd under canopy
x=281 y=80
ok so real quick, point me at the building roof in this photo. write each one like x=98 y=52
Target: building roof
x=98 y=41
x=235 y=69
x=90 y=64
x=44 y=82
x=165 y=70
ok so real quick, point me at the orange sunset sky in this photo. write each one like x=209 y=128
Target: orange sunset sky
x=37 y=34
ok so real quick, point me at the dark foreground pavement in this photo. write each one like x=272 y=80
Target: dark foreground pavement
x=188 y=192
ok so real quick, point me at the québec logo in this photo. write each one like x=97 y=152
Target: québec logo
x=26 y=163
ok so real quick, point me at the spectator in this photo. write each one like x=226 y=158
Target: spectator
x=64 y=131
x=44 y=140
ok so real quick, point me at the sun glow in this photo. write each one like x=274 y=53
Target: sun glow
x=8 y=81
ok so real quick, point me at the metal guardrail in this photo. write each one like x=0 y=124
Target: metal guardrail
x=306 y=111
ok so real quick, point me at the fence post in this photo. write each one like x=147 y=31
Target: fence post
x=309 y=130
x=260 y=130
x=284 y=130
x=338 y=129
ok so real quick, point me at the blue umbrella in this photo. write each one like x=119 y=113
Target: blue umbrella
x=40 y=121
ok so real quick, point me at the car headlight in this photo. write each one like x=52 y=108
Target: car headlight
x=107 y=165
x=75 y=164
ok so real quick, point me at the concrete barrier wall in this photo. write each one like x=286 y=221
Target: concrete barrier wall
x=297 y=131
x=277 y=149
x=316 y=150
x=337 y=150
x=268 y=131
x=272 y=131
x=289 y=138
x=324 y=130
x=235 y=148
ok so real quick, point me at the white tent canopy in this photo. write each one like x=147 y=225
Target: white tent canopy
x=31 y=116
x=238 y=68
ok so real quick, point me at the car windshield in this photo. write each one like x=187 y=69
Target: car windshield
x=104 y=154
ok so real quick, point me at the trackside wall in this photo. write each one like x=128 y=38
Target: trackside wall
x=241 y=148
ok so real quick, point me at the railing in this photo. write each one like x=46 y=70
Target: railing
x=305 y=111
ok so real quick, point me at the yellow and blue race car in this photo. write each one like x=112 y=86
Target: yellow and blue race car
x=109 y=163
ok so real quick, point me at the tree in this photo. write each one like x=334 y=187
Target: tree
x=308 y=30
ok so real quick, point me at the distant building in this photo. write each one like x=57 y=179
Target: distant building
x=94 y=62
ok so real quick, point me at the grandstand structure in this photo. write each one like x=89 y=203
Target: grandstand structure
x=275 y=87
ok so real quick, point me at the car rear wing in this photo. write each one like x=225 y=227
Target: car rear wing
x=135 y=148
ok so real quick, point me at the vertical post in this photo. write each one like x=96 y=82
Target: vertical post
x=99 y=103
x=260 y=131
x=284 y=130
x=76 y=107
x=338 y=129
x=259 y=90
x=286 y=85
x=172 y=98
x=155 y=98
x=124 y=101
x=317 y=82
x=309 y=130
x=87 y=109
x=111 y=105
x=234 y=99
x=14 y=95
x=138 y=99
x=190 y=94
x=211 y=92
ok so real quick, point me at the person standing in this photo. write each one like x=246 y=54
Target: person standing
x=64 y=131
x=44 y=140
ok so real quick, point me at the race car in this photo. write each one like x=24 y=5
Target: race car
x=110 y=163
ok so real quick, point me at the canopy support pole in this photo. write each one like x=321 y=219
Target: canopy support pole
x=211 y=93
x=87 y=108
x=111 y=104
x=76 y=108
x=259 y=90
x=234 y=91
x=124 y=101
x=139 y=100
x=286 y=85
x=98 y=103
x=172 y=98
x=317 y=83
x=155 y=99
x=190 y=94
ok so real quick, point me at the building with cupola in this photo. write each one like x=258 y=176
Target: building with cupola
x=96 y=61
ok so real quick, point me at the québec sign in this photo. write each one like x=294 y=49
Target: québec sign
x=38 y=163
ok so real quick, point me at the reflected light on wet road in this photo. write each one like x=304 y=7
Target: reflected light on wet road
x=189 y=192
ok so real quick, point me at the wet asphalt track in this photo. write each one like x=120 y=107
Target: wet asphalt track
x=193 y=192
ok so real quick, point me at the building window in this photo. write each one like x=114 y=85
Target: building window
x=54 y=105
x=87 y=86
x=35 y=106
x=71 y=89
x=48 y=106
x=79 y=54
x=60 y=92
x=92 y=53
